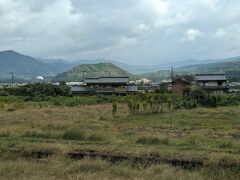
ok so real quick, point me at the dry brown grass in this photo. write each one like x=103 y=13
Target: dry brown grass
x=62 y=168
x=211 y=134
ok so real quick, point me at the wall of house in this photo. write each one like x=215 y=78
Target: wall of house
x=178 y=88
x=132 y=88
x=215 y=84
x=108 y=89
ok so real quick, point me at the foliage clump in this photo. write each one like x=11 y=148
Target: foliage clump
x=38 y=90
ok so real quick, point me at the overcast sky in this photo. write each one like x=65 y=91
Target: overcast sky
x=130 y=31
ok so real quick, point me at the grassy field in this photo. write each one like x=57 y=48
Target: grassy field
x=211 y=135
x=62 y=168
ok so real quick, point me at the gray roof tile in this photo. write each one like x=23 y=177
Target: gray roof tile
x=210 y=77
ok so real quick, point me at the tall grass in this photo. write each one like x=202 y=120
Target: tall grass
x=80 y=135
x=74 y=134
x=4 y=133
x=38 y=134
x=153 y=141
x=63 y=168
x=226 y=144
x=196 y=133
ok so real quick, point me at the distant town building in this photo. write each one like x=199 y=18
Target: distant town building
x=39 y=78
x=216 y=83
x=105 y=85
x=145 y=85
x=144 y=81
x=74 y=83
x=151 y=87
x=234 y=87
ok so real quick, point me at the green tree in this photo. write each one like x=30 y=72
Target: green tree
x=164 y=88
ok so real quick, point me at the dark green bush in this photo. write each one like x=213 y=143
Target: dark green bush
x=184 y=103
x=38 y=90
x=210 y=99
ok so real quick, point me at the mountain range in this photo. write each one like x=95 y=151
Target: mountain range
x=139 y=69
x=24 y=66
x=131 y=68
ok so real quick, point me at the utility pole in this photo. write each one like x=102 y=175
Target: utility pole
x=83 y=75
x=12 y=78
x=172 y=73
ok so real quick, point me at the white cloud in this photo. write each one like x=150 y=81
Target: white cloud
x=210 y=3
x=144 y=30
x=229 y=31
x=173 y=20
x=142 y=27
x=193 y=34
x=158 y=7
x=220 y=32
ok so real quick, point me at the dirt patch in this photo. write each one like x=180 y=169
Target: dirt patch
x=148 y=160
x=189 y=164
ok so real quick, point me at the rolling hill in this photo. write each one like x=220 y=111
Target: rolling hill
x=221 y=67
x=91 y=71
x=231 y=68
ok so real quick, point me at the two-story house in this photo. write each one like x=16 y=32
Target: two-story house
x=216 y=83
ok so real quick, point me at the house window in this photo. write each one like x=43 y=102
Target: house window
x=219 y=83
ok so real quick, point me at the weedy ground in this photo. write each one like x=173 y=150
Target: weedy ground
x=210 y=134
x=63 y=168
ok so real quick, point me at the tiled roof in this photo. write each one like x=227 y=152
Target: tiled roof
x=103 y=80
x=210 y=77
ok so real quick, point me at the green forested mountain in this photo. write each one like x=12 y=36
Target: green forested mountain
x=91 y=71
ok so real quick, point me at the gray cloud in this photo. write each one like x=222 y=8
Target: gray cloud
x=132 y=31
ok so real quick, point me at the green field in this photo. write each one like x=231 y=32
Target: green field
x=210 y=136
